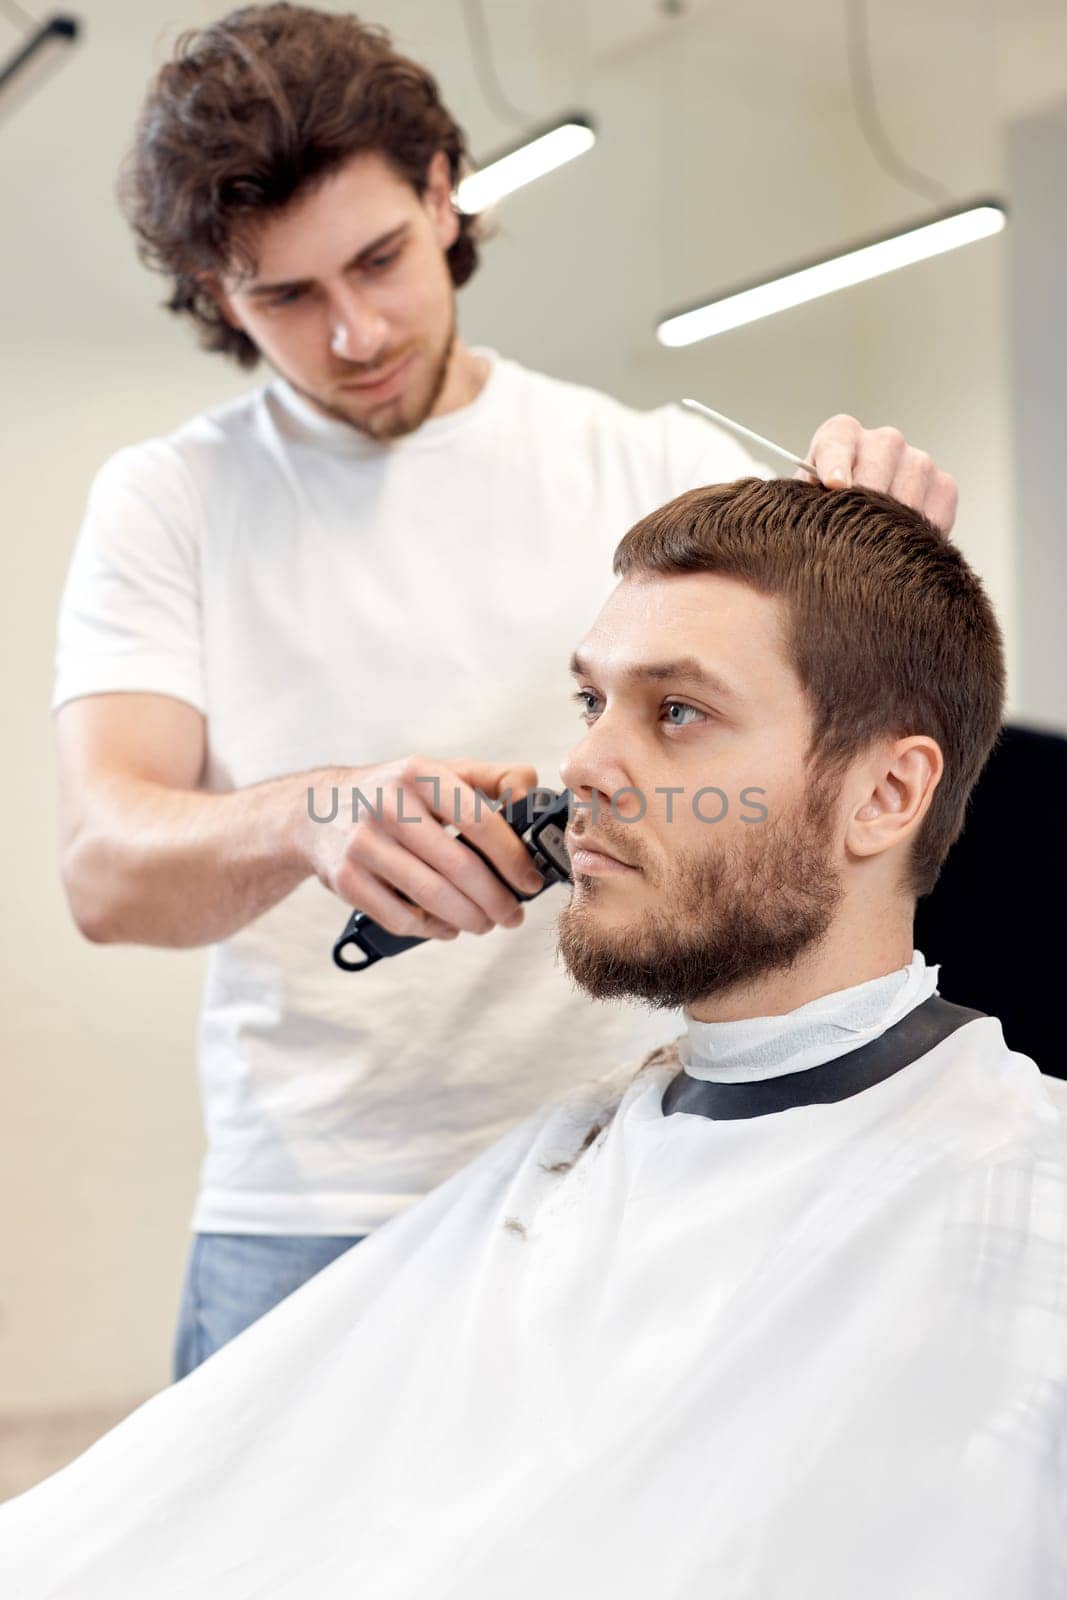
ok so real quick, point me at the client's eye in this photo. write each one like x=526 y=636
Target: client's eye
x=589 y=701
x=583 y=697
x=680 y=705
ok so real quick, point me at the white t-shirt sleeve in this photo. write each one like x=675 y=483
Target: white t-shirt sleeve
x=130 y=614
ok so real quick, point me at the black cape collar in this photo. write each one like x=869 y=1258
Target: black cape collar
x=923 y=1027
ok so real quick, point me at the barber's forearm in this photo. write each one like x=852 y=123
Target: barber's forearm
x=158 y=866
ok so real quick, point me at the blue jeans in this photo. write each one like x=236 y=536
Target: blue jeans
x=232 y=1279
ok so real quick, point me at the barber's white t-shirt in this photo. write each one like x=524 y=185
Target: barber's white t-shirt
x=325 y=599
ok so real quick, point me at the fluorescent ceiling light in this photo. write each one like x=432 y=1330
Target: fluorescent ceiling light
x=37 y=50
x=763 y=299
x=543 y=151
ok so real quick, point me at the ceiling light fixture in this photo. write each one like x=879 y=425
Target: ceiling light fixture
x=543 y=150
x=764 y=297
x=37 y=49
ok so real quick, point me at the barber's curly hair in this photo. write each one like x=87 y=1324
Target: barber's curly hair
x=255 y=109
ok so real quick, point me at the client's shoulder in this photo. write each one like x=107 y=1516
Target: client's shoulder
x=610 y=1089
x=582 y=1115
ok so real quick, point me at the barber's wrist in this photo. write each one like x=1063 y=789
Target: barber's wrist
x=308 y=795
x=322 y=796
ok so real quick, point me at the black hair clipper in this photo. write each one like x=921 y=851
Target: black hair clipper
x=539 y=819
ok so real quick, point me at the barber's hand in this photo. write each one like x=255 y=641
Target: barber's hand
x=847 y=455
x=367 y=862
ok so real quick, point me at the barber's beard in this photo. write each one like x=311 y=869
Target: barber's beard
x=729 y=916
x=412 y=407
x=393 y=419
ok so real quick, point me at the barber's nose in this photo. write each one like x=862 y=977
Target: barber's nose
x=357 y=332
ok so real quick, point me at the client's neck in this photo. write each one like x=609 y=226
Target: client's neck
x=848 y=955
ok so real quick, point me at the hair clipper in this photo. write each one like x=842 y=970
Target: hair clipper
x=539 y=819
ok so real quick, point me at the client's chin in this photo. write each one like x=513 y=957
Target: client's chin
x=654 y=963
x=670 y=961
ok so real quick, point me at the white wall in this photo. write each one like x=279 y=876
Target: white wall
x=727 y=147
x=1037 y=149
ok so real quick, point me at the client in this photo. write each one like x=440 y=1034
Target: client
x=779 y=1313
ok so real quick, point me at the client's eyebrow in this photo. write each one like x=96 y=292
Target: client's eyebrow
x=685 y=669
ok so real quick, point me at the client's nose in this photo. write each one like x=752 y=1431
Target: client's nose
x=596 y=777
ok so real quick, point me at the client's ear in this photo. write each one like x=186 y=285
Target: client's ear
x=896 y=786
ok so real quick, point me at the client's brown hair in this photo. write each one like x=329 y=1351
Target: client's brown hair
x=889 y=630
x=251 y=112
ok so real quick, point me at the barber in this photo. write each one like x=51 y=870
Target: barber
x=365 y=573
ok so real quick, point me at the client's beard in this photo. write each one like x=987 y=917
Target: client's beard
x=730 y=916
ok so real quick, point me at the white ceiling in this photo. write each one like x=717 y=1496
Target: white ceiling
x=1020 y=45
x=1025 y=39
x=1013 y=52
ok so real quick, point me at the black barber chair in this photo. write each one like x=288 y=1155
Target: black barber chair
x=996 y=919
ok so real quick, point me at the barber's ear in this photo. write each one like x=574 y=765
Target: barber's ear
x=437 y=198
x=897 y=790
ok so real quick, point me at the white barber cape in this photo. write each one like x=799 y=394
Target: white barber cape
x=820 y=1352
